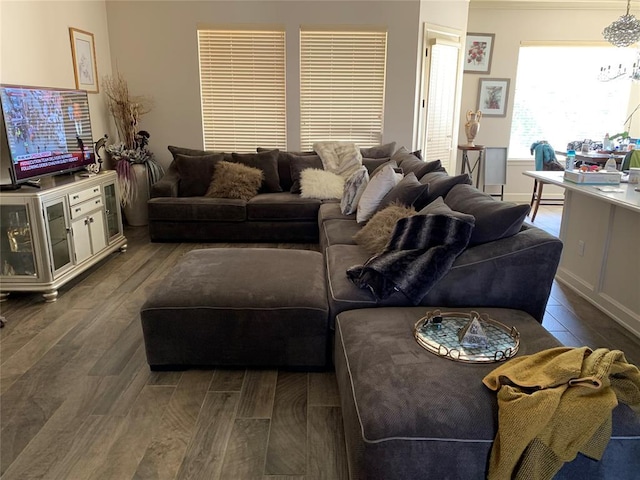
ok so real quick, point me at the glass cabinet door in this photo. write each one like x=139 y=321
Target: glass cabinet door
x=16 y=243
x=58 y=234
x=111 y=210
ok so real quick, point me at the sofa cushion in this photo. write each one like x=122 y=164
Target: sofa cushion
x=298 y=163
x=353 y=189
x=338 y=231
x=330 y=211
x=409 y=191
x=379 y=185
x=320 y=184
x=409 y=162
x=196 y=209
x=284 y=166
x=494 y=219
x=194 y=152
x=375 y=235
x=438 y=207
x=379 y=151
x=234 y=180
x=282 y=206
x=440 y=183
x=265 y=161
x=373 y=163
x=196 y=172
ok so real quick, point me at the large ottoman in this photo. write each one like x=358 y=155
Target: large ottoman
x=256 y=307
x=409 y=414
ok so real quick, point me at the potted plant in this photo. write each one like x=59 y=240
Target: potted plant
x=132 y=147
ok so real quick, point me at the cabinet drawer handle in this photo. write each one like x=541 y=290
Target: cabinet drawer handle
x=97 y=202
x=90 y=219
x=78 y=209
x=75 y=197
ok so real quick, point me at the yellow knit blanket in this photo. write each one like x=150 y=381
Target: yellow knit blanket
x=554 y=404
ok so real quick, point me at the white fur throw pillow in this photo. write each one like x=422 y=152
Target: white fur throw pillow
x=320 y=184
x=379 y=185
x=353 y=190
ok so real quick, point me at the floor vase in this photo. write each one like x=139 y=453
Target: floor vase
x=135 y=212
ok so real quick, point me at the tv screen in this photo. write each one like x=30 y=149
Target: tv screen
x=48 y=130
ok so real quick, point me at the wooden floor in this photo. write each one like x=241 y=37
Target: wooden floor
x=78 y=400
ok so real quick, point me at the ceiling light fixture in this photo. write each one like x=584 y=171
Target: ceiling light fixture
x=624 y=31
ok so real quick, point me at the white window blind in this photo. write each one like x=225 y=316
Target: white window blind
x=242 y=85
x=342 y=80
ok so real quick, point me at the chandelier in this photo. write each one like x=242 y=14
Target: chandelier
x=624 y=31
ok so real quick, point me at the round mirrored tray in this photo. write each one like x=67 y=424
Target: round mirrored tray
x=439 y=334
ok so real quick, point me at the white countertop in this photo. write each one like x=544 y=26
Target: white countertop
x=628 y=198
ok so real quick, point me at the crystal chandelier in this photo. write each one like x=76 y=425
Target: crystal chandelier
x=624 y=31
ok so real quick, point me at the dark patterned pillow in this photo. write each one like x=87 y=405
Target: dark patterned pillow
x=494 y=219
x=235 y=180
x=195 y=173
x=265 y=161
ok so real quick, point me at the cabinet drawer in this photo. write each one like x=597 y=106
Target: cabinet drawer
x=86 y=207
x=83 y=195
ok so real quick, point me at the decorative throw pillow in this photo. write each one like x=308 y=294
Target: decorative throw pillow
x=377 y=170
x=320 y=184
x=438 y=207
x=494 y=219
x=298 y=164
x=265 y=161
x=235 y=180
x=409 y=162
x=379 y=151
x=373 y=163
x=375 y=235
x=409 y=191
x=194 y=152
x=284 y=166
x=440 y=183
x=342 y=158
x=379 y=185
x=195 y=173
x=353 y=189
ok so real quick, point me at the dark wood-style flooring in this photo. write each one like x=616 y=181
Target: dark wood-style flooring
x=79 y=402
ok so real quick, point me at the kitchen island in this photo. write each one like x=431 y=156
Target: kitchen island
x=601 y=256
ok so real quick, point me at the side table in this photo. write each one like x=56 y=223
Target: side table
x=466 y=164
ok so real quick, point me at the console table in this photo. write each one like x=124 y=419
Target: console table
x=466 y=164
x=600 y=259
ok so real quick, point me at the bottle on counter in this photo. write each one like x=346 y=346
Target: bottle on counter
x=571 y=160
x=606 y=144
x=611 y=165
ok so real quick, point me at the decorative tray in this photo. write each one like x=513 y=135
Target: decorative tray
x=438 y=333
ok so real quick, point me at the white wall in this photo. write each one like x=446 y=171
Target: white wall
x=159 y=57
x=512 y=24
x=35 y=48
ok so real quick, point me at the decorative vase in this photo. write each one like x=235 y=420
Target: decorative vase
x=472 y=126
x=136 y=211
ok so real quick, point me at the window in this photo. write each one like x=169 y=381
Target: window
x=342 y=79
x=242 y=89
x=559 y=98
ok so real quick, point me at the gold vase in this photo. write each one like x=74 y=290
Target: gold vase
x=472 y=126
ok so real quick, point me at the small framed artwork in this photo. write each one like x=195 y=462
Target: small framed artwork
x=84 y=60
x=478 y=52
x=492 y=97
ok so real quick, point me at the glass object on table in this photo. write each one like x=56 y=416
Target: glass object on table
x=16 y=245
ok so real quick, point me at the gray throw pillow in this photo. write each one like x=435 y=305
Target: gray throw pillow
x=194 y=152
x=438 y=207
x=284 y=165
x=409 y=192
x=373 y=163
x=494 y=219
x=375 y=235
x=409 y=162
x=440 y=183
x=298 y=163
x=195 y=173
x=235 y=180
x=379 y=151
x=265 y=161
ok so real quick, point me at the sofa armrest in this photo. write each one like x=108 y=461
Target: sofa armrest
x=515 y=272
x=167 y=186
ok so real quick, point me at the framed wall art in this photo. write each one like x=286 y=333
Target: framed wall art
x=84 y=60
x=478 y=52
x=493 y=94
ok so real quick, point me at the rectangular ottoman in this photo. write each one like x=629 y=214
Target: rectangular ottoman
x=257 y=307
x=410 y=414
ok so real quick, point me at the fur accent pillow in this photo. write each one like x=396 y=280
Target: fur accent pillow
x=235 y=180
x=375 y=235
x=315 y=183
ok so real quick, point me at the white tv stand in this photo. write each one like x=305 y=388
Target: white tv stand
x=52 y=234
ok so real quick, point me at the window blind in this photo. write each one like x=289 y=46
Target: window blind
x=242 y=89
x=342 y=81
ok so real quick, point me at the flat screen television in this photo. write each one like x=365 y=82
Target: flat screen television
x=47 y=131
